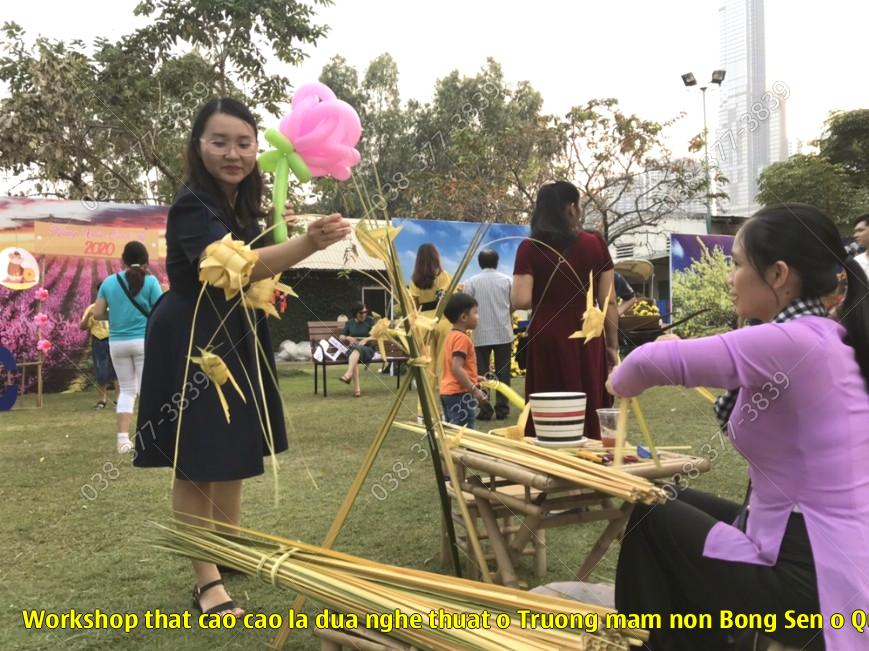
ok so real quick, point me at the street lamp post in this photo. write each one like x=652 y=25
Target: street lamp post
x=689 y=80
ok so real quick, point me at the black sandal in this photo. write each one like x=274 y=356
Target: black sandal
x=215 y=610
x=225 y=569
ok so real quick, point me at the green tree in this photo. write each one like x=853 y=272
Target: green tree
x=809 y=179
x=703 y=286
x=626 y=173
x=845 y=142
x=236 y=38
x=387 y=141
x=111 y=124
x=482 y=149
x=48 y=132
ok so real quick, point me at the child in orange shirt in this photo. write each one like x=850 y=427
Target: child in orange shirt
x=459 y=392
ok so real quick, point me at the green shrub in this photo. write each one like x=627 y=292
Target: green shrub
x=704 y=286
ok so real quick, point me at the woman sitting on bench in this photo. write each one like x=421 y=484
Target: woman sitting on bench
x=355 y=336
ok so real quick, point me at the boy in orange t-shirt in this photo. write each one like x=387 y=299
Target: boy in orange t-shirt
x=460 y=394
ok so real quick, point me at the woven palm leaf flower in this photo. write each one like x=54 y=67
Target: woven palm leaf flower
x=593 y=318
x=219 y=374
x=364 y=588
x=227 y=264
x=375 y=240
x=261 y=294
x=383 y=331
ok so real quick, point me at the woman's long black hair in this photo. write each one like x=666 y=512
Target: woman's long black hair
x=809 y=242
x=549 y=221
x=135 y=257
x=248 y=203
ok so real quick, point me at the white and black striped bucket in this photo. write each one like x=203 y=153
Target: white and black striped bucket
x=559 y=417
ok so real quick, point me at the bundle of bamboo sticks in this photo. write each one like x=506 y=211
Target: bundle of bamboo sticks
x=371 y=591
x=558 y=463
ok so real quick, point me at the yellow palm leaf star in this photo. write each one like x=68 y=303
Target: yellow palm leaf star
x=375 y=241
x=382 y=331
x=218 y=372
x=261 y=294
x=227 y=264
x=594 y=317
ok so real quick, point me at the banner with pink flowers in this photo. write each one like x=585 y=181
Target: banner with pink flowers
x=70 y=241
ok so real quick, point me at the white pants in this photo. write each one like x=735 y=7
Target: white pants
x=128 y=358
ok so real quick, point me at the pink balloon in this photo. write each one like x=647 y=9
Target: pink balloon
x=324 y=131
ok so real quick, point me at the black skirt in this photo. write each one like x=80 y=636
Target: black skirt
x=210 y=448
x=662 y=571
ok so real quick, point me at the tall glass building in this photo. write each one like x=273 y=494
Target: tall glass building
x=742 y=145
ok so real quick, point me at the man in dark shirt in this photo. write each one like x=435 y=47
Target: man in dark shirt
x=625 y=292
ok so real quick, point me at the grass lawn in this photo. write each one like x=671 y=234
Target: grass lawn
x=67 y=551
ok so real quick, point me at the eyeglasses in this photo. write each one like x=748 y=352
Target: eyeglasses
x=222 y=147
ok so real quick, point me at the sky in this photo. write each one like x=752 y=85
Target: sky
x=569 y=51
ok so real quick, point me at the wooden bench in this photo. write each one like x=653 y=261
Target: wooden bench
x=320 y=330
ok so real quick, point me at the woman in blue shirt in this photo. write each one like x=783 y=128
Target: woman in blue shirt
x=126 y=299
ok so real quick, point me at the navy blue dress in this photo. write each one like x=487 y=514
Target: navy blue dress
x=210 y=448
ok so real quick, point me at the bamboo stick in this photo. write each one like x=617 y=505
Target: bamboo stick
x=620 y=432
x=496 y=540
x=644 y=428
x=357 y=585
x=514 y=504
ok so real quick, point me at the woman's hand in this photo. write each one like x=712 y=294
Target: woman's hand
x=326 y=231
x=290 y=216
x=609 y=387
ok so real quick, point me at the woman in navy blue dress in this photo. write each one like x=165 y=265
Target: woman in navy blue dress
x=221 y=194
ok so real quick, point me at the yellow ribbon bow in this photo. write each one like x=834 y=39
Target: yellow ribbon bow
x=261 y=294
x=593 y=318
x=218 y=372
x=228 y=264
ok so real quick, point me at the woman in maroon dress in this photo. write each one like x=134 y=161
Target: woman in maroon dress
x=543 y=281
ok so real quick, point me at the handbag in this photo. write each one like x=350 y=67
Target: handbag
x=129 y=294
x=522 y=350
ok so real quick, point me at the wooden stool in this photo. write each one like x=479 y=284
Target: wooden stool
x=521 y=539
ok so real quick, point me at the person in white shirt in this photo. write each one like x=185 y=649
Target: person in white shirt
x=861 y=237
x=495 y=330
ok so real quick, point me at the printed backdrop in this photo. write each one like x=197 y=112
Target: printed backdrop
x=77 y=245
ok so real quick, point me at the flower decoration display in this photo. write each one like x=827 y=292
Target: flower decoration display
x=42 y=294
x=41 y=319
x=43 y=345
x=316 y=138
x=227 y=264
